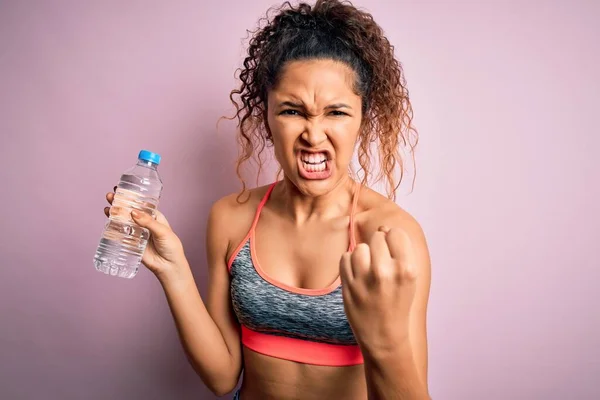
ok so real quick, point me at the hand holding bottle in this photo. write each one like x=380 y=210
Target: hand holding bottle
x=164 y=251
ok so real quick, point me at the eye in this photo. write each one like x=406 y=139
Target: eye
x=338 y=113
x=289 y=112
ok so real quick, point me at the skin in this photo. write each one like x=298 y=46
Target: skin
x=385 y=280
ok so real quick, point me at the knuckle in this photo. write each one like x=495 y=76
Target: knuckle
x=361 y=246
x=360 y=253
x=410 y=273
x=383 y=273
x=406 y=273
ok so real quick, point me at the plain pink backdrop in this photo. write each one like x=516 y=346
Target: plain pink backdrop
x=505 y=97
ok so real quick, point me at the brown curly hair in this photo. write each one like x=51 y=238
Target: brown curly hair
x=331 y=29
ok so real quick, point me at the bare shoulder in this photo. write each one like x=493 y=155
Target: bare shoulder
x=230 y=218
x=376 y=210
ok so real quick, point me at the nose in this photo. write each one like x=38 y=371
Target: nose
x=314 y=134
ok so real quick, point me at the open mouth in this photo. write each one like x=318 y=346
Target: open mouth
x=314 y=165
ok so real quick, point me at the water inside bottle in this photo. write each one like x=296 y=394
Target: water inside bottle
x=123 y=242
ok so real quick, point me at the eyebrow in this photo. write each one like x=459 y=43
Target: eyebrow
x=300 y=105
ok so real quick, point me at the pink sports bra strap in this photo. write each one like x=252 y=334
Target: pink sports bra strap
x=262 y=204
x=357 y=186
x=351 y=229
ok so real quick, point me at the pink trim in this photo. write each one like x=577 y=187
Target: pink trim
x=357 y=186
x=254 y=222
x=302 y=351
x=252 y=237
x=281 y=285
x=261 y=205
x=236 y=252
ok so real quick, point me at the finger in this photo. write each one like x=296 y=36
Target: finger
x=360 y=260
x=110 y=197
x=399 y=244
x=145 y=220
x=346 y=274
x=107 y=211
x=380 y=253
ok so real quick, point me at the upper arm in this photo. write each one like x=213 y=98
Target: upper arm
x=418 y=312
x=398 y=218
x=219 y=298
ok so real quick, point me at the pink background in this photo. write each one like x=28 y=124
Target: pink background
x=505 y=97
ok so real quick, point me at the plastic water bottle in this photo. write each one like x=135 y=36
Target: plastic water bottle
x=123 y=241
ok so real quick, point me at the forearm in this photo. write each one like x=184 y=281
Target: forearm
x=393 y=374
x=202 y=340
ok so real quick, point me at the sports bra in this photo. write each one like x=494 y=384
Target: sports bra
x=302 y=325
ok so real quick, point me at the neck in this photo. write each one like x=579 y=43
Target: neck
x=302 y=207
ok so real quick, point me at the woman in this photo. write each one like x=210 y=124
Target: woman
x=336 y=308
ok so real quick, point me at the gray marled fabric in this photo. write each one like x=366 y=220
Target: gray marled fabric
x=264 y=307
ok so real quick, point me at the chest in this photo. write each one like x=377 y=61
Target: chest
x=265 y=305
x=305 y=258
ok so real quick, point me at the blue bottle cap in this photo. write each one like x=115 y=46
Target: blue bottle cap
x=149 y=156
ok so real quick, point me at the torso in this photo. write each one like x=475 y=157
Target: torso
x=272 y=378
x=297 y=256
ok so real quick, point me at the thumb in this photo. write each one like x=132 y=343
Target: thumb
x=145 y=220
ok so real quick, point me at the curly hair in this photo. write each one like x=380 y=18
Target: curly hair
x=336 y=30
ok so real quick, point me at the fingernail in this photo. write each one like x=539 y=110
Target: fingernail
x=135 y=214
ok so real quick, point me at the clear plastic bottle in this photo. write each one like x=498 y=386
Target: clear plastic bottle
x=123 y=241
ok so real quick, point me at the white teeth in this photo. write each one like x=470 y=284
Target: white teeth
x=313 y=162
x=313 y=158
x=314 y=167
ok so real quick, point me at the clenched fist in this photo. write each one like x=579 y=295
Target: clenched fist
x=378 y=286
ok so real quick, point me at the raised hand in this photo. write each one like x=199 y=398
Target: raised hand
x=378 y=286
